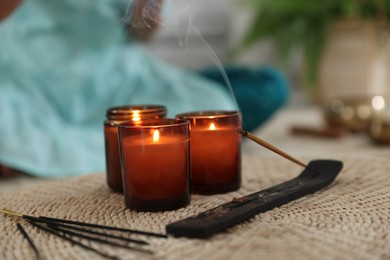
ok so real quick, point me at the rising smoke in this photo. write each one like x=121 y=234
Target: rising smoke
x=148 y=14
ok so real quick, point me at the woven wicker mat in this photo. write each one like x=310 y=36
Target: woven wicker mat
x=348 y=220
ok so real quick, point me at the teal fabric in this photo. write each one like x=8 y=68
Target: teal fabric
x=62 y=64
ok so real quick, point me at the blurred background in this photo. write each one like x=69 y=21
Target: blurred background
x=336 y=54
x=222 y=23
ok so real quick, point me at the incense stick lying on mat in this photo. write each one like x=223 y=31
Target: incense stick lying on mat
x=66 y=229
x=29 y=240
x=93 y=232
x=72 y=241
x=125 y=230
x=79 y=223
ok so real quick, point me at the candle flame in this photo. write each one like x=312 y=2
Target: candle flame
x=156 y=136
x=136 y=117
x=212 y=126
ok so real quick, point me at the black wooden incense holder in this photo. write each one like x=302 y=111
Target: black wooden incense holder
x=317 y=175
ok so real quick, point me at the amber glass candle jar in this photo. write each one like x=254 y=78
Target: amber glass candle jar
x=215 y=151
x=155 y=164
x=115 y=115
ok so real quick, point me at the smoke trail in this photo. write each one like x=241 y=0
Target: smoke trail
x=218 y=63
x=147 y=13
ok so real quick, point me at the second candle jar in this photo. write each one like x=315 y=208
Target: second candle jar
x=116 y=115
x=215 y=151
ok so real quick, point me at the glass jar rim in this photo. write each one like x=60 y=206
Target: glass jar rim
x=132 y=109
x=208 y=114
x=152 y=124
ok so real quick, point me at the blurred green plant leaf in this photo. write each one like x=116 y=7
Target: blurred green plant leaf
x=304 y=23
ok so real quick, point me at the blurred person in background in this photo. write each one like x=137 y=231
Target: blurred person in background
x=64 y=62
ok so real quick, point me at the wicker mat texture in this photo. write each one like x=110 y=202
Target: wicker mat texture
x=350 y=219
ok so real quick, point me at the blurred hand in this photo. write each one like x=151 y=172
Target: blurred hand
x=6 y=172
x=7 y=7
x=145 y=18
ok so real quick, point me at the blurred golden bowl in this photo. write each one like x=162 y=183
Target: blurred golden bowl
x=380 y=131
x=380 y=125
x=355 y=114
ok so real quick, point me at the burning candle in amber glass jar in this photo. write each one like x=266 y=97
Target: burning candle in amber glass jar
x=155 y=164
x=115 y=115
x=215 y=151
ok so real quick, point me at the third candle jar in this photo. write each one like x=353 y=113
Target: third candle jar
x=215 y=151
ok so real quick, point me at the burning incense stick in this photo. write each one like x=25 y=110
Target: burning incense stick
x=30 y=242
x=270 y=147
